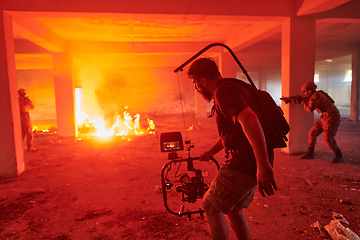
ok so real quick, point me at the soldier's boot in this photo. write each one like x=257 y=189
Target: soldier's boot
x=309 y=154
x=338 y=157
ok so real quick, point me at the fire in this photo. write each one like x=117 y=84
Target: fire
x=151 y=127
x=124 y=125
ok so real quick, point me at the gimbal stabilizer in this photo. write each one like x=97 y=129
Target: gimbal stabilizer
x=191 y=188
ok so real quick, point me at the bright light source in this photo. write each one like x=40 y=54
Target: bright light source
x=348 y=76
x=316 y=77
x=78 y=103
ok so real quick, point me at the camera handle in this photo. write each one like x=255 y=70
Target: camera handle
x=190 y=164
x=189 y=161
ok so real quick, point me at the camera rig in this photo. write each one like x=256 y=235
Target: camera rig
x=191 y=188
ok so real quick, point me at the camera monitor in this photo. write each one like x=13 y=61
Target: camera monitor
x=171 y=142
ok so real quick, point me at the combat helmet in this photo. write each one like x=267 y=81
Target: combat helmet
x=21 y=92
x=308 y=86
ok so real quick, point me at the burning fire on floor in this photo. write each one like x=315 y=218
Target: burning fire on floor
x=115 y=124
x=123 y=125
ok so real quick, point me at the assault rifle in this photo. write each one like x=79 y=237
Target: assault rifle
x=295 y=99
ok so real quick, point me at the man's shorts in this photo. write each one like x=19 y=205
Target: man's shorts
x=231 y=188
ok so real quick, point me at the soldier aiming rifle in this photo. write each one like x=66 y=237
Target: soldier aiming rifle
x=294 y=99
x=328 y=122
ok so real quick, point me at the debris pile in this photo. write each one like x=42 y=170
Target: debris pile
x=335 y=229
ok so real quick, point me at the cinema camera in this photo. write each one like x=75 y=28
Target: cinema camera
x=191 y=188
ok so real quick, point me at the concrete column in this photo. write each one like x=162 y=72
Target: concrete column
x=11 y=144
x=227 y=65
x=355 y=86
x=262 y=79
x=297 y=67
x=64 y=95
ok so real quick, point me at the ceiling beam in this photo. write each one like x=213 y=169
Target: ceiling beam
x=314 y=6
x=136 y=47
x=253 y=34
x=349 y=10
x=33 y=61
x=36 y=32
x=210 y=7
x=22 y=46
x=132 y=60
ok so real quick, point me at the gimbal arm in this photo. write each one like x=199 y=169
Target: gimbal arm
x=180 y=68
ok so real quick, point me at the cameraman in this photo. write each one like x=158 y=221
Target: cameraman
x=250 y=161
x=25 y=106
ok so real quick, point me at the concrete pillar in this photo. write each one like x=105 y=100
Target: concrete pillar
x=11 y=144
x=227 y=65
x=297 y=67
x=64 y=95
x=262 y=79
x=355 y=86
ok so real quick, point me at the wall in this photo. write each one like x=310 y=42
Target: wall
x=143 y=90
x=151 y=90
x=156 y=90
x=39 y=86
x=331 y=80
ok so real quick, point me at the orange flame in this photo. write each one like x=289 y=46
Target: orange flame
x=123 y=126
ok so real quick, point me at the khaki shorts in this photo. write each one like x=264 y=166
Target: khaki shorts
x=231 y=188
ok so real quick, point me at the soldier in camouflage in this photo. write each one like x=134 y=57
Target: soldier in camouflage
x=328 y=122
x=25 y=106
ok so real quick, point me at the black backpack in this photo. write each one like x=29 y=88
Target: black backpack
x=272 y=120
x=270 y=115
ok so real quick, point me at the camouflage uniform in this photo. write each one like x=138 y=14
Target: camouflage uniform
x=25 y=106
x=328 y=122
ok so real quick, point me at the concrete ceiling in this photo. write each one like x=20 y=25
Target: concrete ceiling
x=147 y=36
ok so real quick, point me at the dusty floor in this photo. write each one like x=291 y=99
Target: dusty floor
x=93 y=189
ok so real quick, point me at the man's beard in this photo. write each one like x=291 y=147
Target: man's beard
x=205 y=94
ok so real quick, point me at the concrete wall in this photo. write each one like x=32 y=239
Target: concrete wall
x=331 y=80
x=156 y=90
x=39 y=85
x=143 y=90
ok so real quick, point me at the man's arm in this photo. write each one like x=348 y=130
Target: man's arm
x=307 y=106
x=210 y=153
x=312 y=103
x=255 y=135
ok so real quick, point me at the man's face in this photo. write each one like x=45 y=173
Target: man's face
x=307 y=92
x=201 y=88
